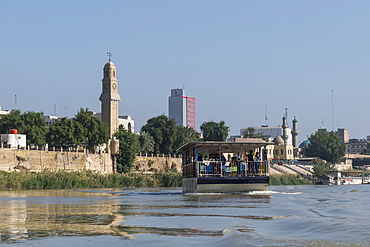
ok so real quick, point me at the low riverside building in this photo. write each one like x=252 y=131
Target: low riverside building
x=13 y=140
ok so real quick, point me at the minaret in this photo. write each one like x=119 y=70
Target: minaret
x=295 y=133
x=285 y=131
x=109 y=97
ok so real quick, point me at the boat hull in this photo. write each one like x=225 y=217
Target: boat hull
x=224 y=184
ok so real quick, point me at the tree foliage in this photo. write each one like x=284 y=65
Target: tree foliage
x=168 y=136
x=321 y=169
x=13 y=120
x=184 y=135
x=29 y=123
x=84 y=128
x=163 y=130
x=325 y=145
x=66 y=132
x=128 y=148
x=213 y=131
x=34 y=127
x=250 y=133
x=97 y=131
x=146 y=142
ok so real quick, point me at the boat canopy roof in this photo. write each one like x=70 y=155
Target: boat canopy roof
x=223 y=146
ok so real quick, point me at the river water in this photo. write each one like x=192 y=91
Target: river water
x=282 y=216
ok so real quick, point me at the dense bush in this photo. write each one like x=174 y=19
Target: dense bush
x=90 y=179
x=86 y=179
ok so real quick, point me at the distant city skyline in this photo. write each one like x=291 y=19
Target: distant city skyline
x=242 y=60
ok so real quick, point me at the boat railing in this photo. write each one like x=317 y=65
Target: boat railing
x=225 y=169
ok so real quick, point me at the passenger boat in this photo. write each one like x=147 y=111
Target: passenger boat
x=209 y=167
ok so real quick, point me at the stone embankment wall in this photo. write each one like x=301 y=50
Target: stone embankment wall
x=156 y=164
x=36 y=161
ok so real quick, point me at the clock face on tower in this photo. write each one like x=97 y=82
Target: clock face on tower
x=114 y=86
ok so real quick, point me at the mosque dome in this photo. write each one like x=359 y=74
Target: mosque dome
x=295 y=121
x=305 y=144
x=278 y=140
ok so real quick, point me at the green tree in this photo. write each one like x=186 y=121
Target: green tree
x=64 y=132
x=326 y=146
x=34 y=127
x=29 y=123
x=13 y=120
x=213 y=131
x=163 y=130
x=249 y=132
x=184 y=135
x=146 y=142
x=321 y=169
x=97 y=132
x=128 y=148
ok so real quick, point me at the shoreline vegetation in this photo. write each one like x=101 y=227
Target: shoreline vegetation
x=90 y=179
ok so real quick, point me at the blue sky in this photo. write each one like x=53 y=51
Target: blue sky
x=239 y=59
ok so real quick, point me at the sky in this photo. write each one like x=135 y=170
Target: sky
x=242 y=60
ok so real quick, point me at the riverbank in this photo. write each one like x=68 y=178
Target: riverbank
x=85 y=179
x=90 y=179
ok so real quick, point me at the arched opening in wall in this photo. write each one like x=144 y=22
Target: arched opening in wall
x=114 y=73
x=107 y=73
x=129 y=126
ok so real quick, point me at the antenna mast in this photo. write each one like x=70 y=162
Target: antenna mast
x=332 y=110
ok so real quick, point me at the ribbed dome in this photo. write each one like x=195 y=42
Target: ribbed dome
x=278 y=140
x=305 y=144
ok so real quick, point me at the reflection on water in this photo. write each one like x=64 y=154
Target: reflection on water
x=284 y=216
x=35 y=214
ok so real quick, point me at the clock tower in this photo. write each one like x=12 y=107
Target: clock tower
x=109 y=97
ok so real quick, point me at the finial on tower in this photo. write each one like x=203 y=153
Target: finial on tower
x=109 y=54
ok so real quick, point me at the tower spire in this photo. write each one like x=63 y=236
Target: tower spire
x=295 y=133
x=110 y=97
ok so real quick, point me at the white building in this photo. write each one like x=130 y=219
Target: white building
x=4 y=112
x=14 y=141
x=127 y=122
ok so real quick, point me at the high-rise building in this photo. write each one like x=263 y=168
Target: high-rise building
x=182 y=108
x=343 y=135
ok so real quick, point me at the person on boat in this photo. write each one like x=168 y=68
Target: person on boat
x=257 y=163
x=250 y=162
